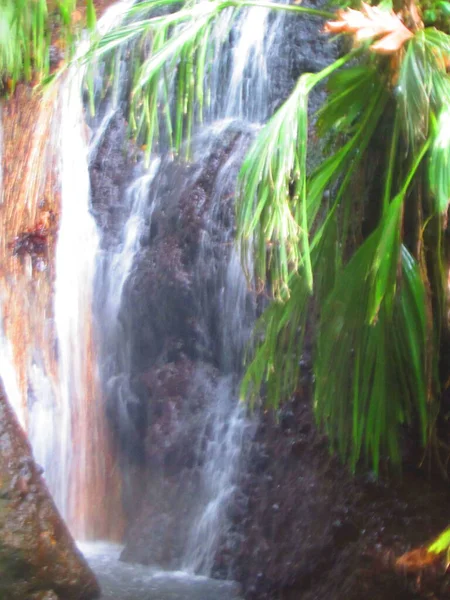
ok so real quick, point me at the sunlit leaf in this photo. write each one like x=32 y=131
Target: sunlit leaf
x=372 y=22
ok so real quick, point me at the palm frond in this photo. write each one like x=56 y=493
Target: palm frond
x=275 y=353
x=439 y=162
x=272 y=210
x=378 y=359
x=278 y=338
x=174 y=53
x=422 y=73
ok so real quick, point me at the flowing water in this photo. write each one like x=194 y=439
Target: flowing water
x=60 y=386
x=49 y=371
x=122 y=581
x=224 y=309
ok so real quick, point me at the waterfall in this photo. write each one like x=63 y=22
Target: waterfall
x=81 y=439
x=226 y=423
x=222 y=308
x=49 y=364
x=79 y=355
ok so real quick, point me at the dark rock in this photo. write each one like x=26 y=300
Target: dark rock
x=38 y=557
x=111 y=169
x=178 y=394
x=311 y=531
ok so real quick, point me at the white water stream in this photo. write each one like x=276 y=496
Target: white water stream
x=239 y=95
x=244 y=106
x=57 y=416
x=56 y=441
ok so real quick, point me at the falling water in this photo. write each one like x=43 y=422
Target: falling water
x=60 y=378
x=84 y=444
x=225 y=309
x=114 y=270
x=247 y=91
x=229 y=304
x=48 y=349
x=140 y=215
x=8 y=373
x=75 y=266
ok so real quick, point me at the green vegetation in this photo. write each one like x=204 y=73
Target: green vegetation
x=441 y=544
x=365 y=252
x=376 y=251
x=359 y=242
x=26 y=31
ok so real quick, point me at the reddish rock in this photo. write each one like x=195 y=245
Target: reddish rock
x=38 y=557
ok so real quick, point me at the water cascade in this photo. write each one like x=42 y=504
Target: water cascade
x=85 y=453
x=213 y=293
x=49 y=241
x=148 y=290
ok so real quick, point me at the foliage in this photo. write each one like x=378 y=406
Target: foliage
x=26 y=31
x=359 y=241
x=382 y=313
x=361 y=247
x=441 y=543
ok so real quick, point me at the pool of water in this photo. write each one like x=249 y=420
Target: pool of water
x=124 y=581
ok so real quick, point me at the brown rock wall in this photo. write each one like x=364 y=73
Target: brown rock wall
x=38 y=557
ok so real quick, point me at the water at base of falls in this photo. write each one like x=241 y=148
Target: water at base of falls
x=124 y=581
x=186 y=513
x=94 y=350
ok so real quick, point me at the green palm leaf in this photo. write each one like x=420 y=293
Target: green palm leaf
x=439 y=163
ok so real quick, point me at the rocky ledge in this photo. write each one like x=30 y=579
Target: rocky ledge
x=38 y=557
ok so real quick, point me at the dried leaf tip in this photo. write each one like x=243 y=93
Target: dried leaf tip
x=372 y=22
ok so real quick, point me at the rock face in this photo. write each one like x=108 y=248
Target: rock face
x=177 y=400
x=170 y=315
x=38 y=557
x=310 y=530
x=301 y=527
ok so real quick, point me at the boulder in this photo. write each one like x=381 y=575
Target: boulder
x=38 y=557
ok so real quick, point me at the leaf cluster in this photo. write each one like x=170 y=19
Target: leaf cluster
x=356 y=245
x=380 y=297
x=27 y=30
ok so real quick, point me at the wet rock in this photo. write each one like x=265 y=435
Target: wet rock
x=111 y=168
x=174 y=455
x=160 y=302
x=44 y=596
x=38 y=557
x=305 y=49
x=176 y=402
x=310 y=530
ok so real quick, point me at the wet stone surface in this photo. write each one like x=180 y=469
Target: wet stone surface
x=312 y=531
x=38 y=558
